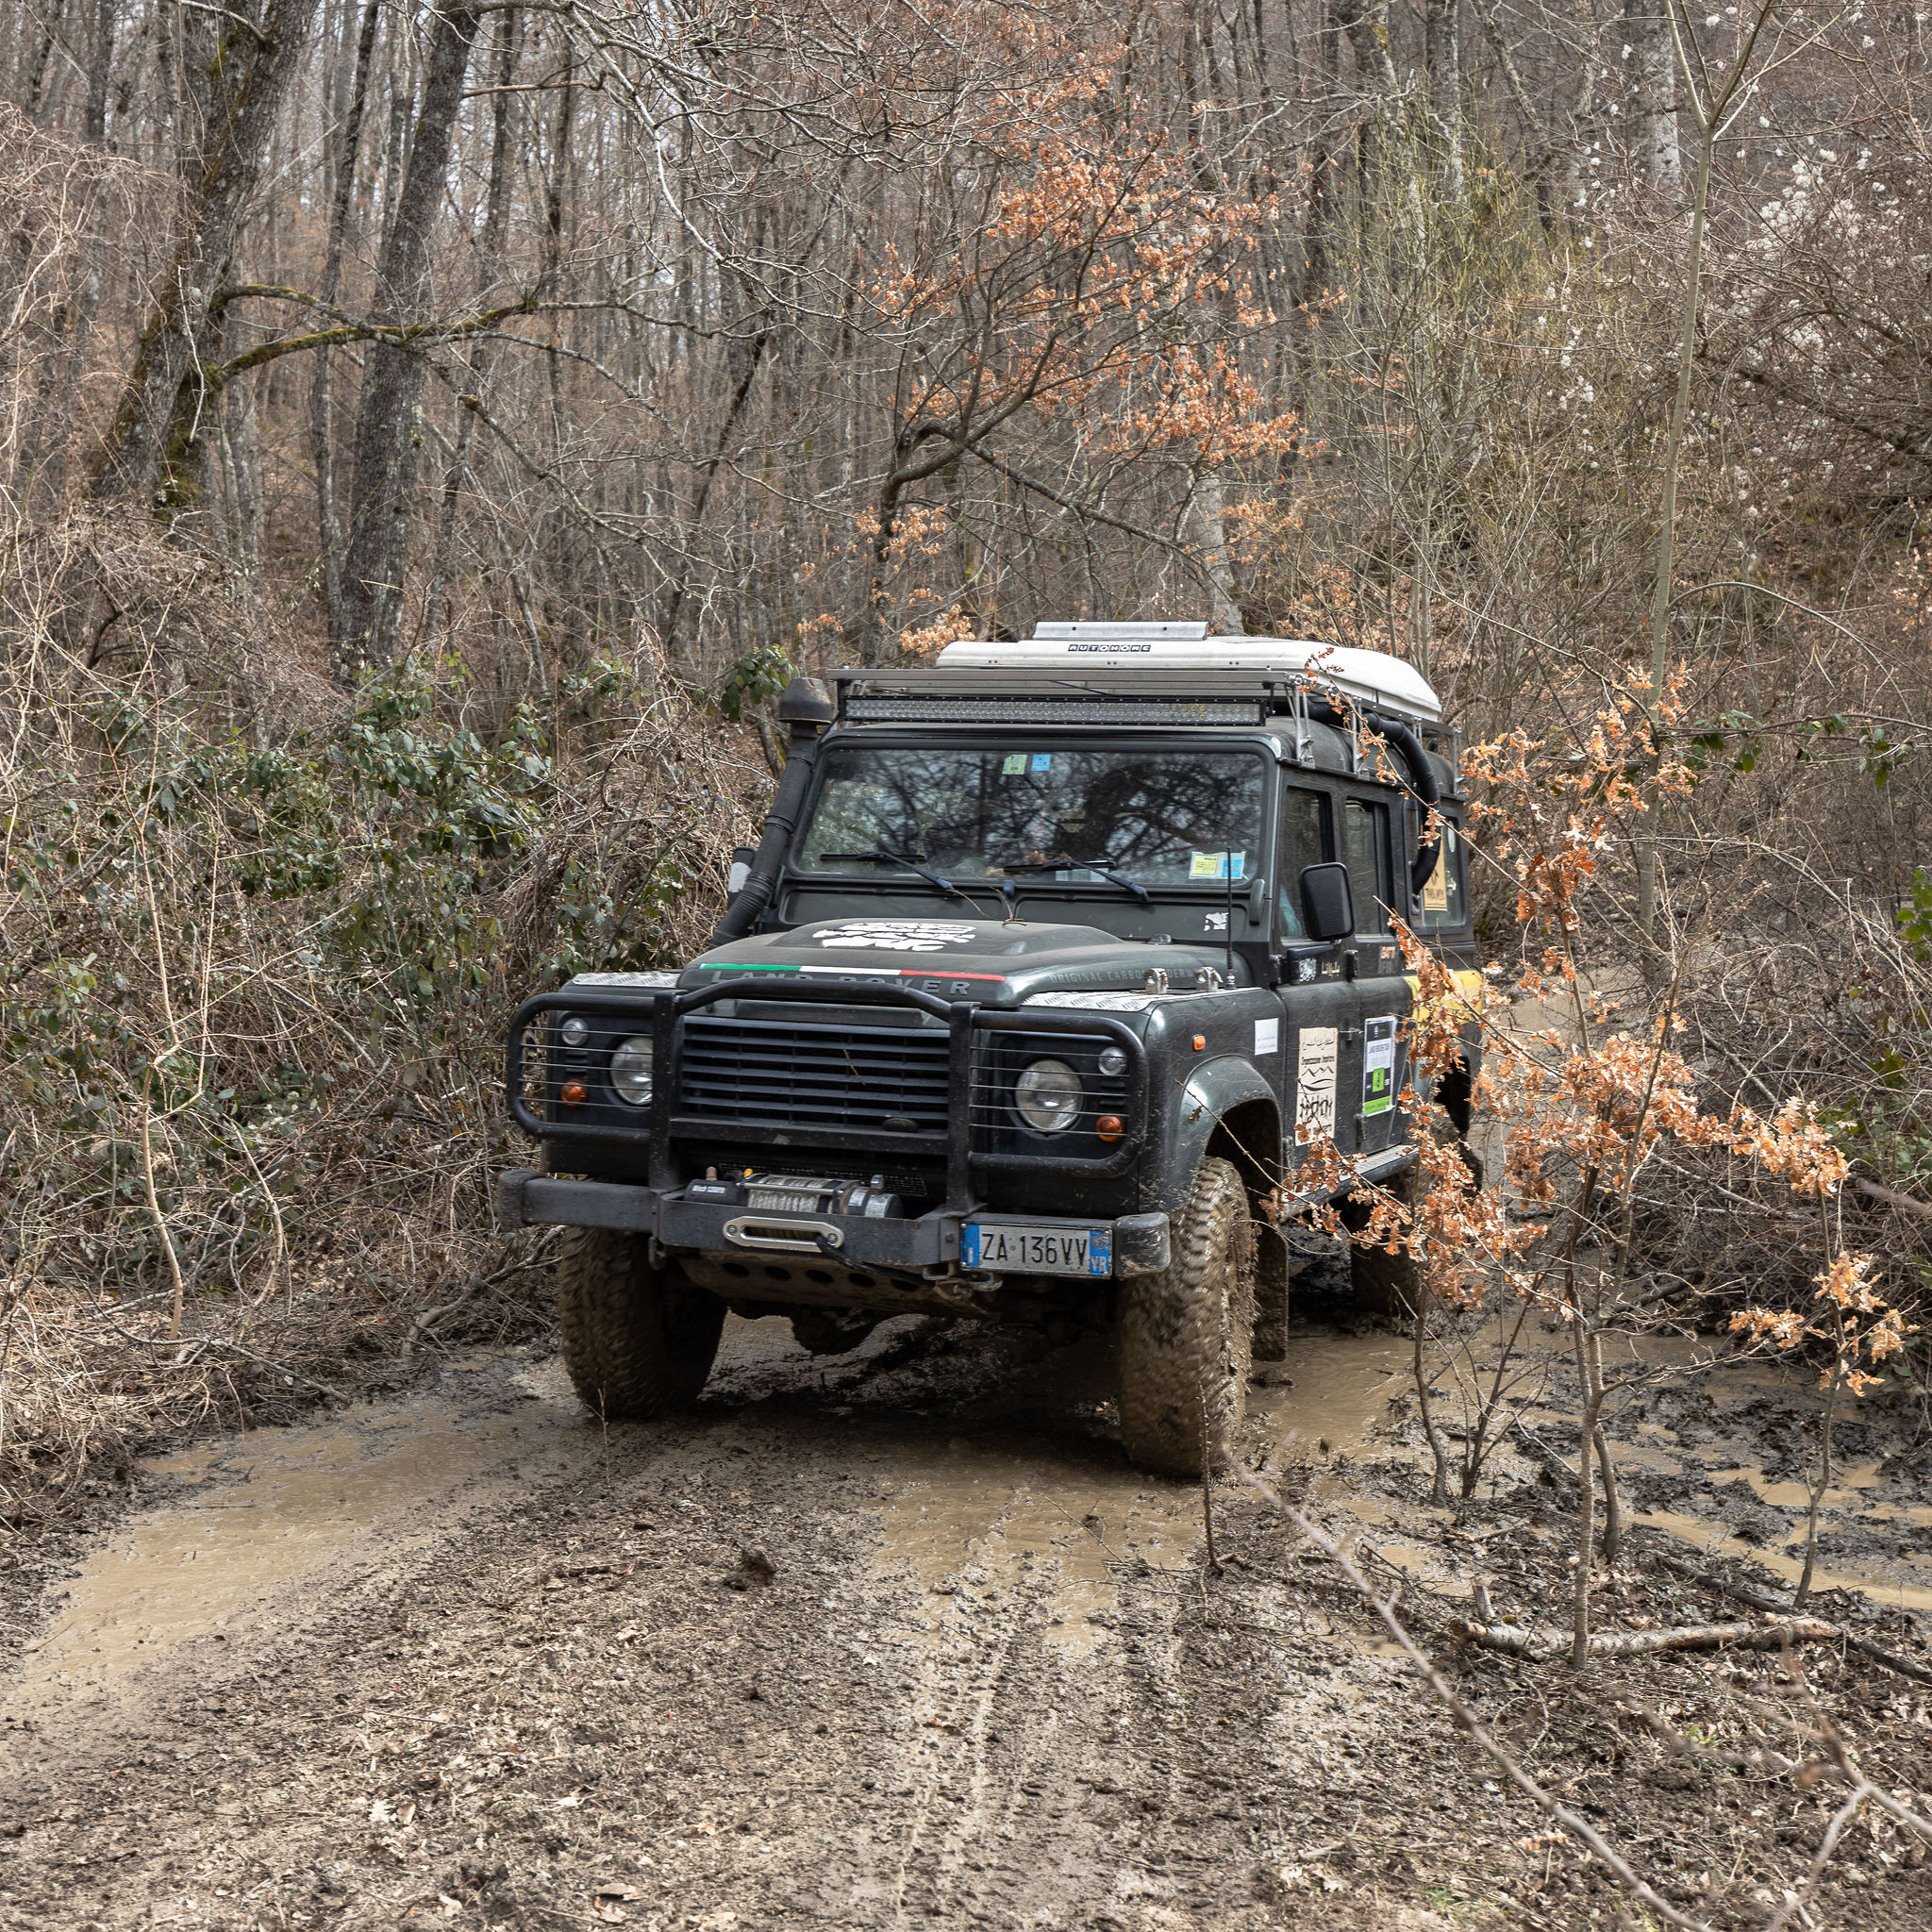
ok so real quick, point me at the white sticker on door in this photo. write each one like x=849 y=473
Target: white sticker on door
x=1267 y=1036
x=1378 y=1066
x=1314 y=1083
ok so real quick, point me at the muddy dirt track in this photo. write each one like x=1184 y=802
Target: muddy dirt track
x=891 y=1640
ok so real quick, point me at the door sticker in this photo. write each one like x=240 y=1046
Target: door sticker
x=1314 y=1083
x=1435 y=887
x=1378 y=1066
x=1267 y=1037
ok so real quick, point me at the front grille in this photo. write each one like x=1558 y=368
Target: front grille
x=888 y=1079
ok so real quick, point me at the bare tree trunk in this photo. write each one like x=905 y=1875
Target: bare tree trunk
x=322 y=408
x=1443 y=49
x=1207 y=513
x=496 y=228
x=1667 y=518
x=1367 y=25
x=100 y=66
x=1659 y=155
x=388 y=432
x=146 y=454
x=747 y=356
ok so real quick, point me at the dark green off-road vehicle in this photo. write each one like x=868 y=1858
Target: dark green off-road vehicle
x=1051 y=959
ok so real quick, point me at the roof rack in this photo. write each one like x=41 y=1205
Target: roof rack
x=1169 y=672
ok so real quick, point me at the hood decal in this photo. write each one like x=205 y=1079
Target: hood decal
x=896 y=935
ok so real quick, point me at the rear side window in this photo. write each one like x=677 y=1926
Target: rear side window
x=1304 y=842
x=1365 y=852
x=1445 y=896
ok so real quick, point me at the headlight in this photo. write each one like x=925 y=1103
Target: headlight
x=1047 y=1096
x=574 y=1030
x=630 y=1071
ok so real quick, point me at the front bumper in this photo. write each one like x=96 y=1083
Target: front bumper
x=930 y=1241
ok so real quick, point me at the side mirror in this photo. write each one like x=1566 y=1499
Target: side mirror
x=1327 y=905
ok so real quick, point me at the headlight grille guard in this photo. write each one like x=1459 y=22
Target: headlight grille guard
x=964 y=1022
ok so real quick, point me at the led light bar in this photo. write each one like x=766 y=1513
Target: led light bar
x=909 y=708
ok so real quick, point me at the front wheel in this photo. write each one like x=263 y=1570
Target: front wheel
x=638 y=1340
x=1186 y=1334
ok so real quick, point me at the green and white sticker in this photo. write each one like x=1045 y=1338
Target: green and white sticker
x=1378 y=1066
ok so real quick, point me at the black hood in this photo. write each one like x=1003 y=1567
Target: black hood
x=996 y=962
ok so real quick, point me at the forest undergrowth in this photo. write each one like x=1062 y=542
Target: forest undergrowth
x=256 y=973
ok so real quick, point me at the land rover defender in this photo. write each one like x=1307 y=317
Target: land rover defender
x=1051 y=960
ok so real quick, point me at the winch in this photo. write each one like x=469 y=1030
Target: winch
x=786 y=1193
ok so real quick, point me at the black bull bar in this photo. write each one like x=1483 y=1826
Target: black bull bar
x=965 y=1163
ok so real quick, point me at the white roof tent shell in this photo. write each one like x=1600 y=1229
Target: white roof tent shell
x=1084 y=649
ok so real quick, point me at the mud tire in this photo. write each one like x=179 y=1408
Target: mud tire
x=1384 y=1284
x=1186 y=1334
x=638 y=1340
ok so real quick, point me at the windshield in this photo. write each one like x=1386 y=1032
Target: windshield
x=1158 y=817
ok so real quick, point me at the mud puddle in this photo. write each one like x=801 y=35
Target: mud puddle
x=1719 y=1455
x=265 y=1518
x=973 y=1525
x=1003 y=1496
x=263 y=1513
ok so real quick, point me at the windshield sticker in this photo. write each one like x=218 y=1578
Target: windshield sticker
x=1015 y=764
x=1215 y=865
x=1314 y=1083
x=1378 y=1066
x=1042 y=761
x=896 y=935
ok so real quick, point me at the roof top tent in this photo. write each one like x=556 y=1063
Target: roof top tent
x=1090 y=649
x=1164 y=673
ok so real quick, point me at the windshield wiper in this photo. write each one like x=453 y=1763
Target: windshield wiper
x=1120 y=879
x=879 y=856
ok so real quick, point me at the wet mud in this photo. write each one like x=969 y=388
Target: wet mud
x=888 y=1639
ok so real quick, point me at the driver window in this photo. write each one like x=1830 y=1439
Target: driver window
x=1365 y=839
x=1303 y=843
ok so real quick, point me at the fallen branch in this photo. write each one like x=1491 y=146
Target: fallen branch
x=1757 y=1634
x=425 y=1323
x=1469 y=1725
x=1764 y=1600
x=1876 y=1190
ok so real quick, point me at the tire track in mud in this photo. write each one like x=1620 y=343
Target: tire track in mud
x=961 y=1699
x=535 y=1685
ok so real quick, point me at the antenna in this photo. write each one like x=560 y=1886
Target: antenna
x=1228 y=867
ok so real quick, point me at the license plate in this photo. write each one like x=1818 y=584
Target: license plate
x=1037 y=1250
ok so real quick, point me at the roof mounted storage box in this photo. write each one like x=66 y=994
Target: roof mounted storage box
x=1373 y=677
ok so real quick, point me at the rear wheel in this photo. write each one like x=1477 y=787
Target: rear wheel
x=1186 y=1334
x=638 y=1340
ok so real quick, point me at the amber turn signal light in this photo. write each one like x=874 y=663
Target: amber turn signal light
x=1110 y=1127
x=1200 y=1042
x=573 y=1093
